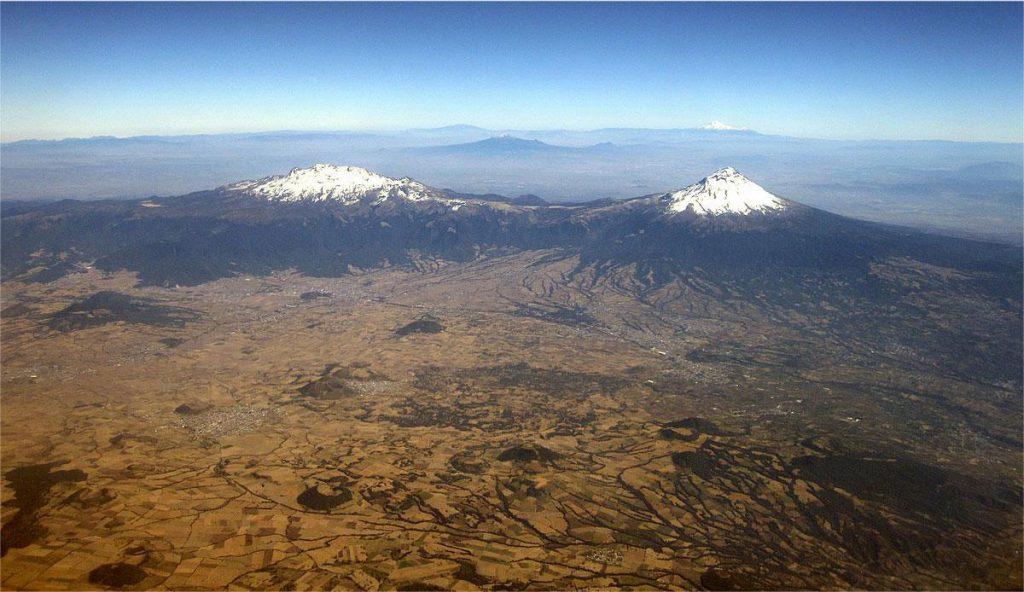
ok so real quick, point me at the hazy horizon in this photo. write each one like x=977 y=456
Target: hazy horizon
x=845 y=71
x=510 y=130
x=957 y=187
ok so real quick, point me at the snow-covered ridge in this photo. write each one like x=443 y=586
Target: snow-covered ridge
x=328 y=182
x=724 y=191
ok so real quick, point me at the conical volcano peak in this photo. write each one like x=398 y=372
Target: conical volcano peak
x=725 y=191
x=322 y=182
x=718 y=126
x=725 y=173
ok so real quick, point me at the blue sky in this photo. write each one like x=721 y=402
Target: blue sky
x=893 y=71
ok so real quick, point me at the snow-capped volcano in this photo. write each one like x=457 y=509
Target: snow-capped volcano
x=718 y=126
x=724 y=191
x=328 y=182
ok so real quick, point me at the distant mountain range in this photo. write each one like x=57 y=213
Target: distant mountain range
x=436 y=132
x=506 y=145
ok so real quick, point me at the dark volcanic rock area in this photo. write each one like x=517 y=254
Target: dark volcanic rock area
x=564 y=315
x=529 y=453
x=427 y=326
x=699 y=462
x=117 y=575
x=328 y=388
x=16 y=310
x=697 y=424
x=314 y=295
x=325 y=496
x=106 y=307
x=192 y=409
x=31 y=485
x=908 y=485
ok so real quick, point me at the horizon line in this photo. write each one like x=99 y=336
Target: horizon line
x=388 y=130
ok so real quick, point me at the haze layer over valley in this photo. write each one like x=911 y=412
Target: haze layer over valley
x=964 y=188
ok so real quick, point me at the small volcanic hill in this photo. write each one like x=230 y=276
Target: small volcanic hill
x=497 y=146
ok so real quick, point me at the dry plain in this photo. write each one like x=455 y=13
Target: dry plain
x=500 y=424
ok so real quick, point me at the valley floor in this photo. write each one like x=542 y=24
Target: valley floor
x=534 y=426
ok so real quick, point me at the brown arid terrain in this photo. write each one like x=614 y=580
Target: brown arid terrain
x=505 y=423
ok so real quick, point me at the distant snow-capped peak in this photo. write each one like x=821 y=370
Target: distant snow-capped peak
x=328 y=182
x=718 y=126
x=724 y=191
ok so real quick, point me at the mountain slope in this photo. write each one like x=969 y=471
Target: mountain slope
x=325 y=219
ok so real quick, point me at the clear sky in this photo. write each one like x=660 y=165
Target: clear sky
x=900 y=71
